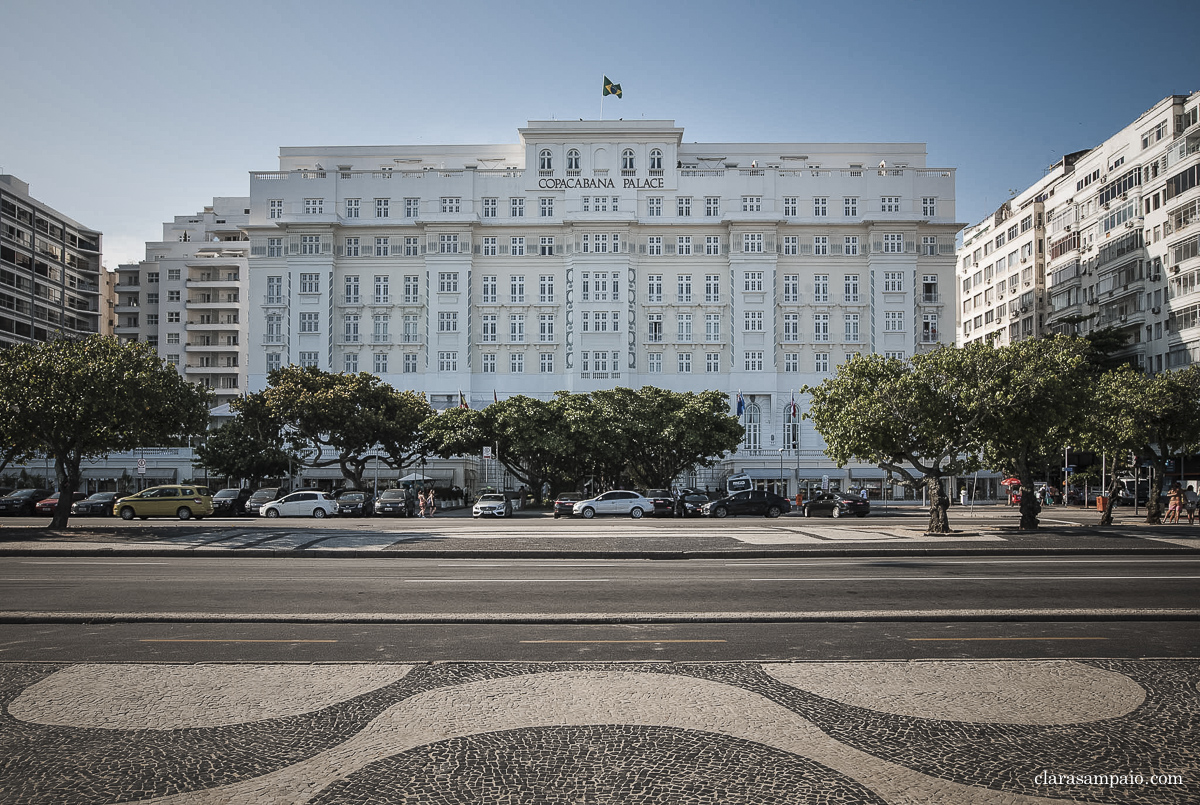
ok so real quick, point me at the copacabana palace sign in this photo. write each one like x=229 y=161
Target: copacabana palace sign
x=600 y=184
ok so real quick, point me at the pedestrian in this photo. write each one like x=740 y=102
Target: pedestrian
x=680 y=504
x=420 y=503
x=410 y=501
x=521 y=497
x=1174 y=503
x=432 y=503
x=1189 y=500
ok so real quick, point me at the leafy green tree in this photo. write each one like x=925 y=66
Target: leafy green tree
x=344 y=420
x=905 y=416
x=1025 y=402
x=77 y=399
x=250 y=446
x=1154 y=416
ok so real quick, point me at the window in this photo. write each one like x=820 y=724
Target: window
x=654 y=245
x=172 y=317
x=314 y=206
x=447 y=321
x=890 y=204
x=489 y=208
x=310 y=244
x=412 y=289
x=821 y=327
x=712 y=327
x=821 y=288
x=851 y=320
x=350 y=328
x=791 y=326
x=172 y=338
x=487 y=363
x=274 y=249
x=546 y=246
x=516 y=363
x=310 y=283
x=350 y=286
x=380 y=324
x=893 y=244
x=712 y=288
x=516 y=328
x=791 y=244
x=791 y=288
x=274 y=334
x=683 y=323
x=712 y=362
x=683 y=245
x=351 y=247
x=850 y=288
x=683 y=206
x=448 y=244
x=309 y=358
x=546 y=288
x=383 y=207
x=684 y=288
x=753 y=281
x=791 y=361
x=380 y=363
x=627 y=162
x=820 y=361
x=382 y=247
x=516 y=247
x=447 y=361
x=410 y=362
x=655 y=159
x=546 y=207
x=489 y=249
x=929 y=207
x=850 y=207
x=712 y=206
x=821 y=245
x=893 y=321
x=790 y=206
x=545 y=160
x=488 y=325
x=929 y=245
x=274 y=290
x=516 y=289
x=751 y=203
x=929 y=328
x=754 y=321
x=275 y=208
x=350 y=363
x=273 y=361
x=151 y=319
x=352 y=207
x=546 y=360
x=893 y=281
x=820 y=206
x=451 y=204
x=173 y=296
x=572 y=160
x=929 y=288
x=654 y=363
x=382 y=292
x=654 y=207
x=654 y=328
x=172 y=275
x=412 y=207
x=410 y=247
x=754 y=361
x=447 y=282
x=752 y=242
x=712 y=244
x=545 y=327
x=654 y=288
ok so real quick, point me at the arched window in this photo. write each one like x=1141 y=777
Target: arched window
x=545 y=162
x=627 y=159
x=572 y=160
x=656 y=160
x=753 y=427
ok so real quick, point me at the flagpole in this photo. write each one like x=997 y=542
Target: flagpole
x=601 y=99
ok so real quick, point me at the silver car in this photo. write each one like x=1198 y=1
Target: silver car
x=618 y=501
x=495 y=505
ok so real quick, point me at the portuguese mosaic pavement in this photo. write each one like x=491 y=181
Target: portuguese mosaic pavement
x=847 y=732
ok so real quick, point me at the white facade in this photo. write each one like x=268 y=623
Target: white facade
x=187 y=298
x=596 y=254
x=1119 y=240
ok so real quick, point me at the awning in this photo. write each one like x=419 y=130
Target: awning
x=113 y=473
x=768 y=473
x=816 y=473
x=867 y=472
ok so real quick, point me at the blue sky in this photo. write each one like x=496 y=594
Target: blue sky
x=125 y=113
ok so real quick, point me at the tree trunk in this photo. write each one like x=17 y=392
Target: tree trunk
x=66 y=477
x=1031 y=507
x=1110 y=501
x=939 y=502
x=1154 y=511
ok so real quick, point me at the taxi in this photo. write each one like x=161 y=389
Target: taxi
x=185 y=501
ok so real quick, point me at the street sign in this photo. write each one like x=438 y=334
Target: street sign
x=824 y=483
x=487 y=452
x=141 y=466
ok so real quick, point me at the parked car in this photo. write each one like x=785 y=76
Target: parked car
x=618 y=501
x=184 y=501
x=565 y=503
x=749 y=501
x=836 y=504
x=663 y=500
x=230 y=502
x=391 y=504
x=263 y=496
x=355 y=503
x=46 y=507
x=305 y=503
x=695 y=503
x=99 y=503
x=21 y=503
x=493 y=503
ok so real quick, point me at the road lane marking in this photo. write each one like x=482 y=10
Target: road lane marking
x=624 y=641
x=497 y=581
x=988 y=578
x=182 y=640
x=69 y=564
x=990 y=639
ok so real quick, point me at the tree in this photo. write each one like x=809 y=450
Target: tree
x=77 y=399
x=1152 y=416
x=250 y=446
x=345 y=420
x=902 y=416
x=1025 y=402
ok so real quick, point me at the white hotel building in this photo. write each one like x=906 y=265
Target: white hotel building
x=595 y=254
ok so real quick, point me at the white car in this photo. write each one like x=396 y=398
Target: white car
x=309 y=503
x=494 y=504
x=618 y=501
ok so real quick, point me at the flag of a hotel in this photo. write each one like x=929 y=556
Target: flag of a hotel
x=610 y=88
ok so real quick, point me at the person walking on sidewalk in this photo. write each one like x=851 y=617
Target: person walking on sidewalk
x=1174 y=503
x=1189 y=501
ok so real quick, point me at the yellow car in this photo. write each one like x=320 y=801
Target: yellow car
x=184 y=501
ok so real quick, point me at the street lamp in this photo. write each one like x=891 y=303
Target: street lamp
x=782 y=483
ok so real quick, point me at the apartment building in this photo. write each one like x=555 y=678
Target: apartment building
x=50 y=274
x=187 y=297
x=592 y=254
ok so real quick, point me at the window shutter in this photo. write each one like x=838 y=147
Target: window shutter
x=642 y=247
x=258 y=251
x=877 y=246
x=340 y=250
x=327 y=244
x=835 y=248
x=558 y=248
x=806 y=248
x=770 y=246
x=293 y=244
x=503 y=248
x=910 y=246
x=668 y=248
x=477 y=250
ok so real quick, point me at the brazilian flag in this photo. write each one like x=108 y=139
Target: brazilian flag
x=610 y=88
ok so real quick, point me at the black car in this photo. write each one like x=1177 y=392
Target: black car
x=100 y=503
x=836 y=504
x=230 y=502
x=262 y=497
x=695 y=503
x=750 y=501
x=23 y=502
x=355 y=503
x=664 y=501
x=565 y=502
x=391 y=504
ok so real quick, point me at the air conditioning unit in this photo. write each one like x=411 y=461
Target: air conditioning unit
x=1156 y=310
x=1124 y=197
x=1129 y=224
x=1024 y=259
x=1068 y=227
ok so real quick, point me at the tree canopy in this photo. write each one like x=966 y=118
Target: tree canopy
x=250 y=446
x=77 y=399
